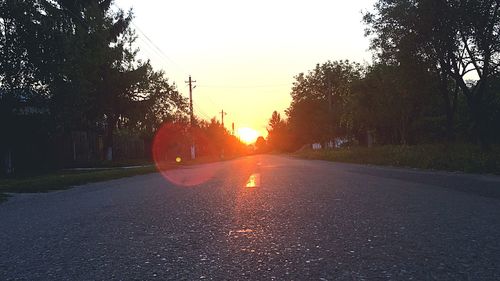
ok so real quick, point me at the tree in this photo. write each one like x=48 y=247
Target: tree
x=210 y=137
x=261 y=145
x=278 y=138
x=317 y=112
x=81 y=60
x=159 y=102
x=118 y=81
x=390 y=102
x=459 y=40
x=23 y=96
x=73 y=62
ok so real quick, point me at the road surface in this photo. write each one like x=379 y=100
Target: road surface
x=296 y=220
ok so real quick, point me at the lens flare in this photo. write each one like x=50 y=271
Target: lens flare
x=171 y=144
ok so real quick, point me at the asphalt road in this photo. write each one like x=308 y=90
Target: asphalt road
x=301 y=220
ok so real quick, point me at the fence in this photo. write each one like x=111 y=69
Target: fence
x=79 y=148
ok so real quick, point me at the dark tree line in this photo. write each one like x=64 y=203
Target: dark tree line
x=68 y=65
x=213 y=141
x=435 y=78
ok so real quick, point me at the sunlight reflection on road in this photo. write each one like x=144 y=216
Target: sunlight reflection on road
x=250 y=236
x=253 y=181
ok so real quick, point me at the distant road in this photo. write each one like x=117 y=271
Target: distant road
x=301 y=220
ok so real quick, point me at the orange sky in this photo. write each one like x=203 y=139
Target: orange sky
x=244 y=54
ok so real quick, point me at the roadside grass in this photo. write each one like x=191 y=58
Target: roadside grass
x=455 y=157
x=3 y=197
x=66 y=179
x=114 y=164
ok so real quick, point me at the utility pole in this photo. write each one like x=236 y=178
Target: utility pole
x=190 y=83
x=222 y=113
x=191 y=119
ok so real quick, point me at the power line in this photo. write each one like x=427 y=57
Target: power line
x=211 y=101
x=161 y=54
x=152 y=45
x=158 y=50
x=202 y=113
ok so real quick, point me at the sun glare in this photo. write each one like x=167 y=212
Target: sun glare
x=247 y=135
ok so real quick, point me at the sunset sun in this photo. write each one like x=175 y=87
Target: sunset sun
x=248 y=135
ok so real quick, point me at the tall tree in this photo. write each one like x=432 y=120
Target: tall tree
x=74 y=62
x=278 y=138
x=458 y=39
x=158 y=102
x=390 y=102
x=23 y=96
x=317 y=111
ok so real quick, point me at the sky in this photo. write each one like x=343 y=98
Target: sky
x=244 y=55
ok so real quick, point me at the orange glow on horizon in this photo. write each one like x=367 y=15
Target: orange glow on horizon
x=247 y=135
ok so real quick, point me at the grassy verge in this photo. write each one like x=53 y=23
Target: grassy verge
x=99 y=172
x=3 y=197
x=65 y=179
x=457 y=157
x=114 y=164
